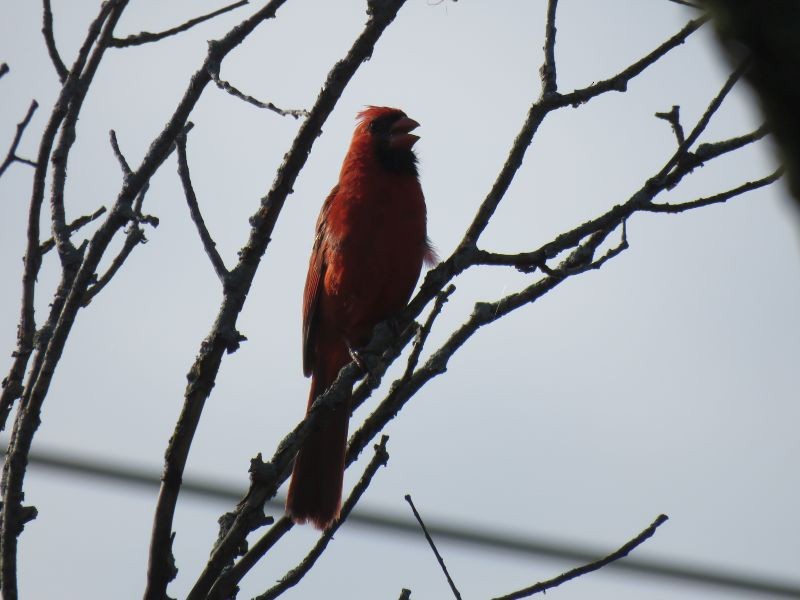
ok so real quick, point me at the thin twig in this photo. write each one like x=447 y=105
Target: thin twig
x=622 y=552
x=123 y=164
x=428 y=537
x=620 y=81
x=85 y=67
x=191 y=199
x=702 y=123
x=227 y=582
x=425 y=330
x=536 y=114
x=135 y=236
x=711 y=150
x=74 y=226
x=50 y=42
x=291 y=578
x=548 y=70
x=233 y=91
x=146 y=37
x=716 y=198
x=11 y=156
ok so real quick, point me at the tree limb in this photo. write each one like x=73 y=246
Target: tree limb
x=191 y=199
x=233 y=91
x=145 y=37
x=50 y=42
x=439 y=558
x=11 y=156
x=622 y=552
x=291 y=578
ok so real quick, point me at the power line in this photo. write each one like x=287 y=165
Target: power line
x=374 y=520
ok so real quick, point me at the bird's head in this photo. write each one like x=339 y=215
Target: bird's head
x=389 y=131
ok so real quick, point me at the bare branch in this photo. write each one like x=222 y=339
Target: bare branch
x=233 y=91
x=11 y=156
x=708 y=151
x=619 y=82
x=28 y=417
x=716 y=198
x=135 y=236
x=126 y=168
x=536 y=114
x=428 y=537
x=12 y=383
x=145 y=37
x=291 y=578
x=548 y=70
x=74 y=226
x=701 y=125
x=104 y=25
x=425 y=330
x=50 y=42
x=227 y=582
x=191 y=199
x=622 y=552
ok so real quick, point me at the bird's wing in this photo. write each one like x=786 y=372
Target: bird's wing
x=313 y=289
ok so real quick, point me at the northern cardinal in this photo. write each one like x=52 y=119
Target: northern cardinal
x=368 y=251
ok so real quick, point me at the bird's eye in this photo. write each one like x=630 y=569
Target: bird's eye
x=382 y=124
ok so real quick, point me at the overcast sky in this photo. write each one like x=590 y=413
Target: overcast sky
x=666 y=382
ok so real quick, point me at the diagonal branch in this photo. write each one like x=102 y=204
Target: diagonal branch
x=540 y=109
x=716 y=198
x=145 y=37
x=619 y=82
x=233 y=91
x=425 y=330
x=622 y=552
x=191 y=199
x=123 y=163
x=294 y=576
x=701 y=125
x=50 y=42
x=86 y=68
x=74 y=226
x=11 y=156
x=134 y=237
x=428 y=537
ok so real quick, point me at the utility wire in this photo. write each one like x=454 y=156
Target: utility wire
x=484 y=538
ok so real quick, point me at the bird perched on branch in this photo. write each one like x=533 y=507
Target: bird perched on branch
x=368 y=251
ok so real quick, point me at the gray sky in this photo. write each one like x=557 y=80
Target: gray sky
x=665 y=382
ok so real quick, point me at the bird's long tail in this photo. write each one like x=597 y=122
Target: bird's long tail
x=315 y=492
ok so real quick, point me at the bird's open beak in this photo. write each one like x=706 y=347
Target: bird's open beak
x=400 y=136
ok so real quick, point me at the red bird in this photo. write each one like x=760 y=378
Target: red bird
x=369 y=249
